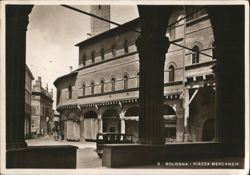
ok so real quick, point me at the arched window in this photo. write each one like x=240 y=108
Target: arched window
x=83 y=89
x=92 y=88
x=126 y=46
x=125 y=78
x=114 y=50
x=84 y=59
x=102 y=86
x=102 y=54
x=171 y=73
x=93 y=56
x=113 y=84
x=213 y=51
x=195 y=54
x=70 y=92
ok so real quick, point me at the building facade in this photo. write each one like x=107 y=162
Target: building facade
x=28 y=91
x=41 y=105
x=102 y=95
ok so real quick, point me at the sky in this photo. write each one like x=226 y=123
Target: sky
x=52 y=33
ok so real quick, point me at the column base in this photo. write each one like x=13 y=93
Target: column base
x=16 y=145
x=42 y=157
x=129 y=155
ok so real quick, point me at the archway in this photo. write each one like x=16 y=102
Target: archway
x=208 y=131
x=169 y=116
x=131 y=122
x=111 y=121
x=90 y=125
x=202 y=106
x=73 y=127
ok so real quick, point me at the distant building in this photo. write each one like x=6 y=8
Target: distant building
x=28 y=90
x=42 y=112
x=102 y=94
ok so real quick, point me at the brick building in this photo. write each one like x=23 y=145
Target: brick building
x=28 y=90
x=101 y=95
x=42 y=112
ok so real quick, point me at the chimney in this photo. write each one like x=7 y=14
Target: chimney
x=39 y=81
x=47 y=88
x=70 y=68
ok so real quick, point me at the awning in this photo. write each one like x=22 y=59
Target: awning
x=136 y=118
x=169 y=117
x=56 y=119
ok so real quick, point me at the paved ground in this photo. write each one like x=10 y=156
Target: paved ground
x=86 y=154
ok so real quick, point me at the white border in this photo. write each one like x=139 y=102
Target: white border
x=122 y=171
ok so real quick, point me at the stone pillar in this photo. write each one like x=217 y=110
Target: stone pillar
x=152 y=46
x=229 y=36
x=122 y=118
x=16 y=27
x=100 y=130
x=180 y=124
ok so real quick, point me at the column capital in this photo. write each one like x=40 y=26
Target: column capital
x=152 y=45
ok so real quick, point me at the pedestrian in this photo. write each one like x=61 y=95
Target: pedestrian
x=55 y=134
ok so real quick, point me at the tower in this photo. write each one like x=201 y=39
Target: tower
x=97 y=25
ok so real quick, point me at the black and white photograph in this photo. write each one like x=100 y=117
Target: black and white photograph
x=124 y=87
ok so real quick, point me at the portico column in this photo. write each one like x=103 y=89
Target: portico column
x=186 y=114
x=122 y=118
x=99 y=123
x=152 y=46
x=16 y=27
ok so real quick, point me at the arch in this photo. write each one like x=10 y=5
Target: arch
x=70 y=91
x=90 y=125
x=195 y=54
x=168 y=110
x=208 y=130
x=126 y=46
x=198 y=44
x=92 y=85
x=132 y=111
x=114 y=48
x=83 y=89
x=93 y=56
x=102 y=85
x=102 y=54
x=111 y=121
x=90 y=114
x=171 y=74
x=113 y=84
x=125 y=79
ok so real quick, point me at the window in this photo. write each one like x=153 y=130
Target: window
x=102 y=86
x=102 y=54
x=93 y=56
x=213 y=51
x=195 y=54
x=195 y=12
x=70 y=92
x=125 y=78
x=113 y=84
x=84 y=59
x=171 y=73
x=92 y=88
x=126 y=46
x=83 y=89
x=114 y=50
